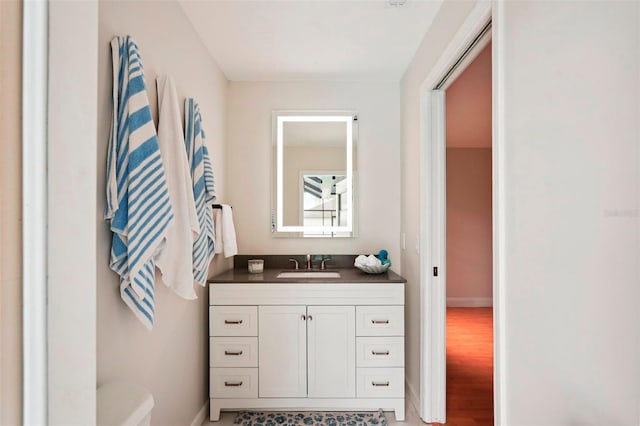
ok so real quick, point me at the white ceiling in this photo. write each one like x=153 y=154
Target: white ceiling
x=276 y=40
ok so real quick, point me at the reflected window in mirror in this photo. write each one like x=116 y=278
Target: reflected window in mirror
x=314 y=165
x=325 y=202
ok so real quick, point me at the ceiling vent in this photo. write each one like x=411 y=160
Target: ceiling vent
x=397 y=3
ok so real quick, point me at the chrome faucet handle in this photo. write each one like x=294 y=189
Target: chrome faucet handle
x=296 y=263
x=309 y=266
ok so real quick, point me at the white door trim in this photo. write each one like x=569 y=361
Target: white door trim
x=433 y=361
x=498 y=172
x=433 y=214
x=34 y=211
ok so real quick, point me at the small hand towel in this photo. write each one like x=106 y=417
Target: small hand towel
x=203 y=190
x=176 y=259
x=138 y=205
x=370 y=260
x=226 y=232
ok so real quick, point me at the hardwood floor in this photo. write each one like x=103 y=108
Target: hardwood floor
x=469 y=366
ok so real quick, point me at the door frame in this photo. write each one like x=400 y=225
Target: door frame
x=433 y=215
x=35 y=332
x=60 y=62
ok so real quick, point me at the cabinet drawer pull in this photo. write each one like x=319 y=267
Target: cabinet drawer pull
x=233 y=321
x=233 y=384
x=233 y=353
x=380 y=321
x=385 y=384
x=379 y=352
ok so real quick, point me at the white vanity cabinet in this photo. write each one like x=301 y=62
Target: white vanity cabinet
x=283 y=353
x=331 y=351
x=320 y=346
x=307 y=351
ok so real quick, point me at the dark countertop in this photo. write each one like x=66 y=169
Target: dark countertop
x=347 y=275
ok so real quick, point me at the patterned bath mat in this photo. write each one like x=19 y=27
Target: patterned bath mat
x=246 y=418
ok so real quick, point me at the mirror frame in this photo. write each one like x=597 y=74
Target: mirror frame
x=279 y=118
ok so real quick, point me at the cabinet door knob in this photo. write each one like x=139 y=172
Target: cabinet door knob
x=380 y=352
x=304 y=317
x=310 y=318
x=233 y=384
x=233 y=321
x=233 y=353
x=380 y=321
x=385 y=384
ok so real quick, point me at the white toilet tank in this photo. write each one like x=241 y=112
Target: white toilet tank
x=123 y=404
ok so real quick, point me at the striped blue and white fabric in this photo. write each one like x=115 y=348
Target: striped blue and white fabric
x=203 y=190
x=138 y=205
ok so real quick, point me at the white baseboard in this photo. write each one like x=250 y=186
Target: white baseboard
x=202 y=415
x=414 y=399
x=470 y=302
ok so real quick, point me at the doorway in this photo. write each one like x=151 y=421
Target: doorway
x=474 y=35
x=469 y=279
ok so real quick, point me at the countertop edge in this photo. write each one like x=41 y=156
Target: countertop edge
x=348 y=276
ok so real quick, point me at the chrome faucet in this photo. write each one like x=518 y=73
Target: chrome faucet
x=308 y=262
x=296 y=263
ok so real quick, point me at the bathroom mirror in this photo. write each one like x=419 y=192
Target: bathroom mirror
x=314 y=174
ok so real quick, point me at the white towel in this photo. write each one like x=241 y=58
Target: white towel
x=364 y=260
x=225 y=231
x=203 y=190
x=176 y=259
x=138 y=205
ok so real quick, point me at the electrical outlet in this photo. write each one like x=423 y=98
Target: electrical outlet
x=404 y=241
x=418 y=244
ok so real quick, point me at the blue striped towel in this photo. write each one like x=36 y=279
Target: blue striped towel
x=138 y=203
x=203 y=190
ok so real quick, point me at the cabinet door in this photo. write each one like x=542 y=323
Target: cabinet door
x=282 y=351
x=332 y=351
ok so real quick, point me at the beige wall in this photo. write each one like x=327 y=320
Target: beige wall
x=570 y=133
x=10 y=214
x=378 y=163
x=449 y=19
x=172 y=360
x=468 y=181
x=469 y=230
x=71 y=208
x=469 y=105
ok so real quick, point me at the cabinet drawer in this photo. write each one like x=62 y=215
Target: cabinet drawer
x=233 y=382
x=379 y=320
x=233 y=320
x=233 y=351
x=380 y=383
x=380 y=351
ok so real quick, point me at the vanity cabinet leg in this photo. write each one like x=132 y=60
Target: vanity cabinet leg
x=400 y=412
x=214 y=411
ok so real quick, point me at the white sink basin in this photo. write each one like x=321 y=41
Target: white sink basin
x=309 y=274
